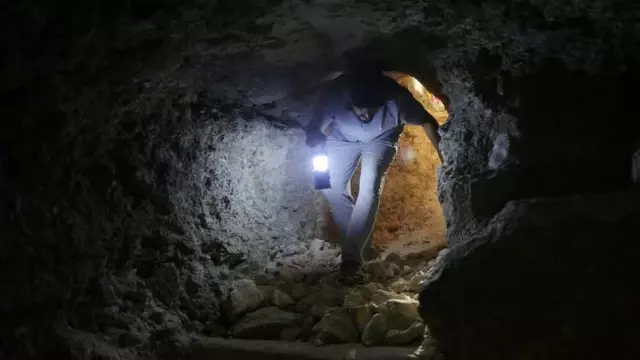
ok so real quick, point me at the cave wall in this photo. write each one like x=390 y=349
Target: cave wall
x=121 y=225
x=143 y=221
x=109 y=211
x=260 y=198
x=526 y=86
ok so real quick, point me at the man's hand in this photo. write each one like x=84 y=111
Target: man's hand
x=315 y=138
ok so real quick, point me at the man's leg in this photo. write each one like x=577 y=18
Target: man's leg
x=376 y=158
x=343 y=159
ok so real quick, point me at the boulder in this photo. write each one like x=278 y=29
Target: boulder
x=400 y=314
x=262 y=279
x=380 y=296
x=244 y=296
x=354 y=298
x=281 y=299
x=375 y=331
x=380 y=270
x=550 y=277
x=290 y=273
x=298 y=291
x=319 y=310
x=406 y=336
x=324 y=298
x=361 y=316
x=266 y=323
x=400 y=285
x=335 y=327
x=393 y=257
x=267 y=294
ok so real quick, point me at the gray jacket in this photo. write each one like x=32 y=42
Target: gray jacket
x=334 y=116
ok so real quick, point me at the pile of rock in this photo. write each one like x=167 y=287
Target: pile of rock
x=310 y=304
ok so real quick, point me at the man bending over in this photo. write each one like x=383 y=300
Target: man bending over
x=359 y=117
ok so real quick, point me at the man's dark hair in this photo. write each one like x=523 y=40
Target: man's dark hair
x=368 y=86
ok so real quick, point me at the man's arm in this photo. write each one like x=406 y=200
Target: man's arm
x=413 y=113
x=318 y=122
x=326 y=99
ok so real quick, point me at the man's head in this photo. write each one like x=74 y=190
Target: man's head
x=367 y=88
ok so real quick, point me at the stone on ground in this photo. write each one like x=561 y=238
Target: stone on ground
x=244 y=296
x=335 y=327
x=406 y=336
x=375 y=331
x=282 y=299
x=400 y=313
x=266 y=323
x=361 y=316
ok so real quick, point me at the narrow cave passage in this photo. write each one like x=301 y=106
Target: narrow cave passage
x=156 y=197
x=410 y=218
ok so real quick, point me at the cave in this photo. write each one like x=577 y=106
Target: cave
x=156 y=198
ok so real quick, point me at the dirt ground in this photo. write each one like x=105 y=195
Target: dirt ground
x=410 y=215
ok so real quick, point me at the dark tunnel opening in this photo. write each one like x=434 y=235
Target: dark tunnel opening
x=156 y=198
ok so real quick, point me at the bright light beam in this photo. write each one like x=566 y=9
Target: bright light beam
x=320 y=163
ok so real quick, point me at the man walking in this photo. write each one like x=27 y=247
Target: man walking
x=359 y=116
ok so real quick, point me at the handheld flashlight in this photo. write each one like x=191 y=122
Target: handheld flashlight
x=320 y=167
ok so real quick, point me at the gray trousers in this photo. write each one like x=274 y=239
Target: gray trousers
x=356 y=218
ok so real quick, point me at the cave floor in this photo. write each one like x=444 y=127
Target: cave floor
x=204 y=348
x=409 y=246
x=303 y=302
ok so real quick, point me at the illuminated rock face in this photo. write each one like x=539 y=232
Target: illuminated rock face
x=146 y=165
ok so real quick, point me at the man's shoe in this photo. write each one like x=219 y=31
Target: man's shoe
x=349 y=267
x=353 y=279
x=351 y=273
x=371 y=254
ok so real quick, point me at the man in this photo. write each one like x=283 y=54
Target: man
x=359 y=117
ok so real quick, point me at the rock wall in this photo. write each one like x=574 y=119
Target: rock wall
x=117 y=222
x=133 y=227
x=532 y=127
x=547 y=279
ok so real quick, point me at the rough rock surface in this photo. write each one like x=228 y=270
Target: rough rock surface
x=266 y=323
x=635 y=167
x=404 y=336
x=335 y=327
x=561 y=266
x=244 y=297
x=375 y=330
x=327 y=312
x=145 y=164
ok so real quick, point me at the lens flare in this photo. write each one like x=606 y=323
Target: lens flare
x=320 y=163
